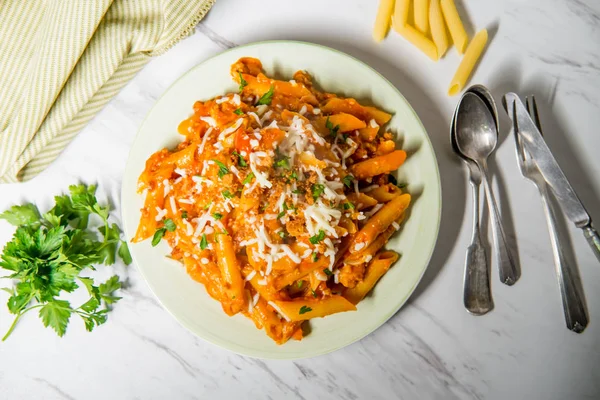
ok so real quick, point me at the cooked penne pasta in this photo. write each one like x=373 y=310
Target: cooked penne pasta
x=367 y=253
x=382 y=21
x=378 y=165
x=455 y=25
x=419 y=40
x=379 y=222
x=267 y=193
x=376 y=269
x=438 y=27
x=468 y=62
x=421 y=8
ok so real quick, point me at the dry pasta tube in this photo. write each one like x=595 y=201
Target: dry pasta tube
x=303 y=309
x=438 y=27
x=455 y=25
x=379 y=266
x=400 y=14
x=421 y=8
x=382 y=21
x=468 y=62
x=419 y=40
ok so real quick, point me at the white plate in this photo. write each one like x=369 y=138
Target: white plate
x=332 y=71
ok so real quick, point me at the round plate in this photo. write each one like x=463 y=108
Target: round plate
x=334 y=72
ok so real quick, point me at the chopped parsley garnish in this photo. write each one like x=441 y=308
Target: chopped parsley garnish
x=298 y=191
x=239 y=111
x=248 y=178
x=281 y=215
x=348 y=206
x=264 y=207
x=241 y=162
x=170 y=225
x=223 y=170
x=184 y=214
x=345 y=137
x=317 y=189
x=267 y=97
x=243 y=82
x=314 y=294
x=304 y=309
x=282 y=234
x=315 y=256
x=227 y=194
x=347 y=180
x=160 y=232
x=332 y=130
x=327 y=272
x=206 y=207
x=318 y=237
x=217 y=216
x=293 y=175
x=281 y=160
x=203 y=242
x=300 y=283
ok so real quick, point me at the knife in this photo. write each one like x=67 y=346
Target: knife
x=551 y=171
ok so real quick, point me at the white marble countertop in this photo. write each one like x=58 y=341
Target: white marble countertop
x=431 y=349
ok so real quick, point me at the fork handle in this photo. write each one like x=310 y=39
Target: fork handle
x=572 y=299
x=593 y=239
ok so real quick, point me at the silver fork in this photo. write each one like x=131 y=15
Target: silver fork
x=572 y=299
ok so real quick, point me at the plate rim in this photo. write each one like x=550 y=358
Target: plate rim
x=241 y=349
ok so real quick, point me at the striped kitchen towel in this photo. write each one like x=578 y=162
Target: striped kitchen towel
x=61 y=61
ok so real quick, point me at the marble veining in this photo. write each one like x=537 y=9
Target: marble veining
x=431 y=349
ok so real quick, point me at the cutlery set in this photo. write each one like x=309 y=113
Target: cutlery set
x=474 y=136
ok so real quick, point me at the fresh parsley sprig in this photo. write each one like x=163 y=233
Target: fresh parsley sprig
x=48 y=252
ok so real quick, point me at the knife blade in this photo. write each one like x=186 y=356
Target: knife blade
x=537 y=147
x=551 y=171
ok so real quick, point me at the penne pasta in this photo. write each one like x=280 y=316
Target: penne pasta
x=382 y=21
x=468 y=62
x=303 y=309
x=378 y=165
x=455 y=25
x=400 y=14
x=421 y=8
x=379 y=222
x=376 y=269
x=419 y=40
x=438 y=27
x=230 y=271
x=365 y=255
x=385 y=193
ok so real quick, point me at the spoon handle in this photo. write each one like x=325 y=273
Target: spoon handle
x=477 y=297
x=504 y=259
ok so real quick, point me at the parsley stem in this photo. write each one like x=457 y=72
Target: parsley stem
x=12 y=327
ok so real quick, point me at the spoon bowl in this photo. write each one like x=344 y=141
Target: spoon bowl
x=476 y=133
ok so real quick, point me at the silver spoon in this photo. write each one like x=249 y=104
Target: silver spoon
x=477 y=296
x=476 y=139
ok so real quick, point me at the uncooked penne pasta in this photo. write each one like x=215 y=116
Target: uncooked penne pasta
x=468 y=62
x=438 y=27
x=419 y=40
x=378 y=266
x=400 y=14
x=455 y=25
x=382 y=21
x=421 y=8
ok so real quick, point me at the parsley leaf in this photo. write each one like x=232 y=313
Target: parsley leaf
x=243 y=82
x=304 y=310
x=56 y=315
x=227 y=194
x=348 y=206
x=314 y=294
x=318 y=237
x=217 y=216
x=239 y=111
x=223 y=170
x=317 y=189
x=124 y=252
x=203 y=242
x=184 y=214
x=332 y=130
x=267 y=97
x=282 y=234
x=327 y=272
x=300 y=283
x=298 y=191
x=22 y=215
x=241 y=161
x=248 y=178
x=281 y=215
x=170 y=225
x=348 y=180
x=160 y=232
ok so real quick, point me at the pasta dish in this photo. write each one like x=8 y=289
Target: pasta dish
x=279 y=200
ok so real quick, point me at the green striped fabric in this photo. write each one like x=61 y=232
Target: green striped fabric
x=61 y=61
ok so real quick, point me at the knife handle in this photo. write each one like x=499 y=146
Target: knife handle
x=593 y=239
